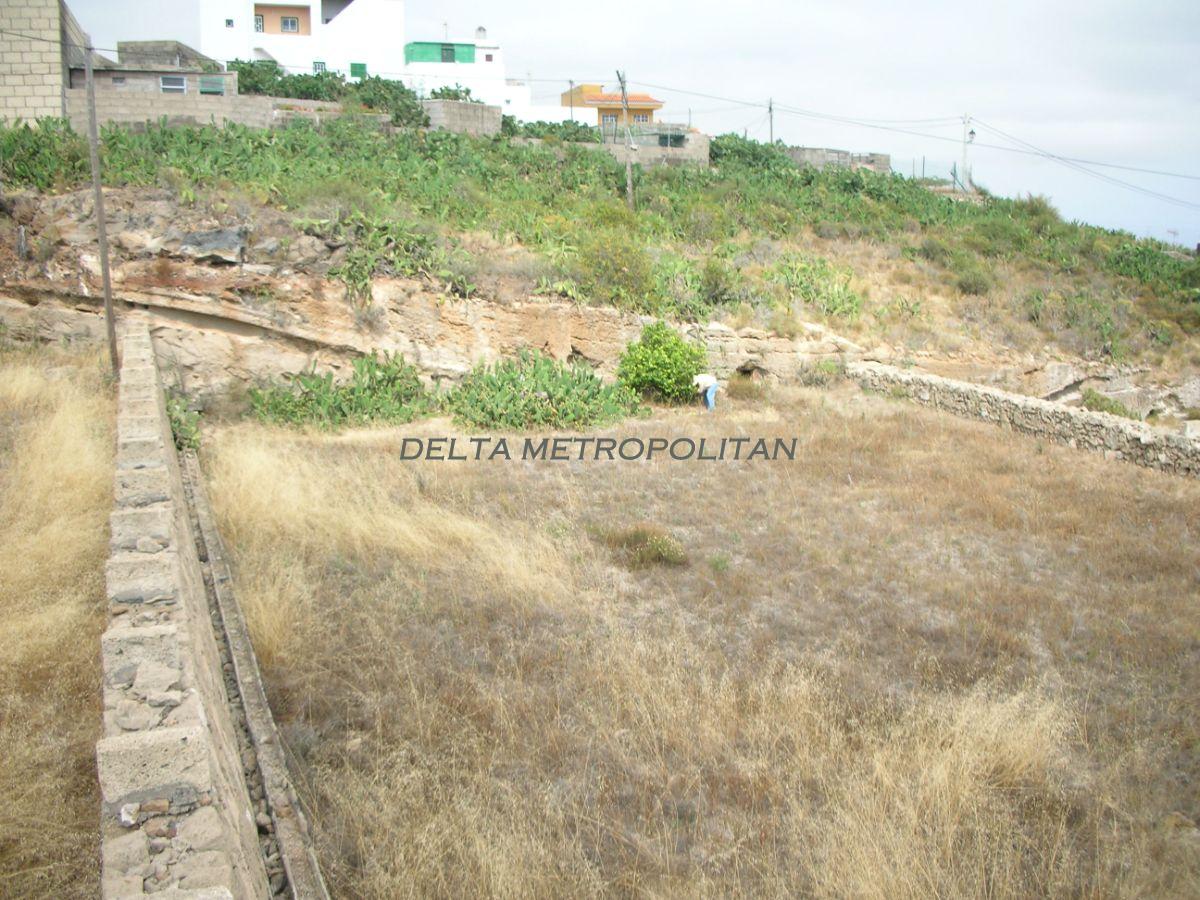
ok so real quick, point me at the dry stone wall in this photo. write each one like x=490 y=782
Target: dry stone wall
x=1114 y=436
x=176 y=814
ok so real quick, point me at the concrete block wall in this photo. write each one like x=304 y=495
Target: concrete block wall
x=32 y=68
x=1114 y=436
x=649 y=153
x=175 y=813
x=462 y=117
x=192 y=108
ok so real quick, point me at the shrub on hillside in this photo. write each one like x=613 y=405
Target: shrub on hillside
x=458 y=92
x=1097 y=402
x=567 y=132
x=534 y=390
x=661 y=364
x=381 y=388
x=613 y=267
x=381 y=94
x=1145 y=261
x=819 y=283
x=48 y=156
x=971 y=278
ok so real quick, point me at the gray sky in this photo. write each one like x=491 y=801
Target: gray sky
x=1105 y=80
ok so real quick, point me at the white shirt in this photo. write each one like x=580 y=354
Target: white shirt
x=703 y=382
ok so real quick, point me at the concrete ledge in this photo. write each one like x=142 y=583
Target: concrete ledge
x=170 y=764
x=1114 y=436
x=176 y=816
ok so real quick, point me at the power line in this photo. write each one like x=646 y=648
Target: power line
x=34 y=37
x=1070 y=164
x=874 y=123
x=877 y=124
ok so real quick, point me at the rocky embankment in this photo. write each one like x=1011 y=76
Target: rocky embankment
x=233 y=293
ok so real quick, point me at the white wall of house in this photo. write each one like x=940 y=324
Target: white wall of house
x=358 y=31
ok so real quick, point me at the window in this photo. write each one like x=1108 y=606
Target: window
x=358 y=70
x=258 y=24
x=229 y=23
x=118 y=79
x=289 y=24
x=488 y=57
x=641 y=117
x=447 y=53
x=318 y=67
x=172 y=84
x=212 y=84
x=608 y=119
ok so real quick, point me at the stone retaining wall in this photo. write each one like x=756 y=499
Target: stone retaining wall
x=175 y=813
x=1114 y=436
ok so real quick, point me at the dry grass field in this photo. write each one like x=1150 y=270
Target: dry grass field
x=926 y=658
x=56 y=414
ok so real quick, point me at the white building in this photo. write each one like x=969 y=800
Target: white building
x=353 y=37
x=479 y=66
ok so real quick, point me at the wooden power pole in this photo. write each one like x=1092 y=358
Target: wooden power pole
x=101 y=225
x=628 y=142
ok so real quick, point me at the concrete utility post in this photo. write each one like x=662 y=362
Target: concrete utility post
x=628 y=142
x=968 y=136
x=771 y=116
x=101 y=224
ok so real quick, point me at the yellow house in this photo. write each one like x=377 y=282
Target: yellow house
x=608 y=105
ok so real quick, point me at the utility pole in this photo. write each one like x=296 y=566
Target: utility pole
x=571 y=84
x=771 y=116
x=628 y=141
x=101 y=225
x=962 y=174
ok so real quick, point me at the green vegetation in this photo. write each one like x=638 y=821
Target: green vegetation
x=701 y=243
x=537 y=391
x=458 y=92
x=381 y=389
x=185 y=422
x=820 y=285
x=264 y=76
x=1097 y=402
x=550 y=131
x=822 y=372
x=661 y=365
x=530 y=391
x=645 y=545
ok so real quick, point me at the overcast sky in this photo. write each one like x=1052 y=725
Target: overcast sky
x=1106 y=80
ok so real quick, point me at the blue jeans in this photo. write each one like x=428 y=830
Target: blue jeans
x=710 y=397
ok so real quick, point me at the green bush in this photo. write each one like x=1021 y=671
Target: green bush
x=382 y=94
x=1146 y=262
x=820 y=284
x=185 y=422
x=537 y=391
x=719 y=282
x=568 y=132
x=458 y=92
x=46 y=156
x=934 y=250
x=1097 y=402
x=614 y=267
x=381 y=388
x=645 y=545
x=661 y=364
x=972 y=278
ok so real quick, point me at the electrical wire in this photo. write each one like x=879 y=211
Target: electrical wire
x=1070 y=164
x=1024 y=147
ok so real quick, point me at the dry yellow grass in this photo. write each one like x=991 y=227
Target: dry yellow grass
x=55 y=495
x=925 y=659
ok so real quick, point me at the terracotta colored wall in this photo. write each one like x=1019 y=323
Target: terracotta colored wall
x=273 y=15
